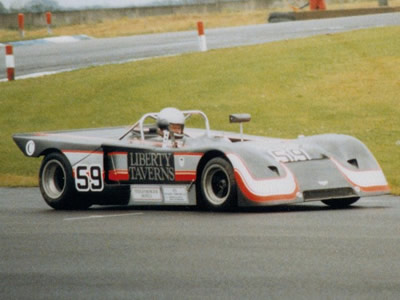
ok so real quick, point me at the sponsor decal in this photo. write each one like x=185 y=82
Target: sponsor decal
x=151 y=167
x=141 y=166
x=323 y=182
x=175 y=195
x=146 y=193
x=30 y=148
x=159 y=194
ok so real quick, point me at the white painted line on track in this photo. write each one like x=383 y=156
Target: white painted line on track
x=101 y=216
x=46 y=73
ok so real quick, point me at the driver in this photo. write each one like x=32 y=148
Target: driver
x=171 y=122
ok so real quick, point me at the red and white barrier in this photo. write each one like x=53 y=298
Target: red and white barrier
x=202 y=36
x=21 y=24
x=10 y=63
x=48 y=21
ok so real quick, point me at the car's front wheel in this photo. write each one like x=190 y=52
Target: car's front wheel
x=218 y=186
x=340 y=203
x=57 y=184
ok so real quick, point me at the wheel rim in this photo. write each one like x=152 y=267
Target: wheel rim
x=54 y=179
x=216 y=185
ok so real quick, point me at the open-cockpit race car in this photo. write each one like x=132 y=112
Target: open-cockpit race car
x=157 y=161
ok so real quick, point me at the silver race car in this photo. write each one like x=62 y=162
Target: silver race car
x=157 y=161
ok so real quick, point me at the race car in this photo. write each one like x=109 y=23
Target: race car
x=157 y=161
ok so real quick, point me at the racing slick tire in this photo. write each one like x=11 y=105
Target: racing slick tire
x=340 y=203
x=218 y=185
x=57 y=184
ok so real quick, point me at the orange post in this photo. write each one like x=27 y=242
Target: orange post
x=48 y=18
x=21 y=24
x=202 y=36
x=317 y=5
x=200 y=28
x=48 y=21
x=10 y=64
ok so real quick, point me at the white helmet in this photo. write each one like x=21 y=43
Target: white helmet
x=172 y=116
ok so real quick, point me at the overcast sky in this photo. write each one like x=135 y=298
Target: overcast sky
x=86 y=3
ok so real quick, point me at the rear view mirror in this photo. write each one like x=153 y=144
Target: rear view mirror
x=239 y=118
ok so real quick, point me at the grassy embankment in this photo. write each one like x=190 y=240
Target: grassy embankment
x=345 y=83
x=126 y=26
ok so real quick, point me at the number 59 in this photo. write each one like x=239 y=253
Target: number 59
x=89 y=178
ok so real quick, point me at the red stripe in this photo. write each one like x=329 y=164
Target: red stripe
x=117 y=153
x=200 y=28
x=185 y=175
x=10 y=74
x=21 y=21
x=118 y=175
x=9 y=50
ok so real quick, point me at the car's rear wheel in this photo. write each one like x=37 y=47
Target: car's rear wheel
x=57 y=184
x=340 y=203
x=218 y=186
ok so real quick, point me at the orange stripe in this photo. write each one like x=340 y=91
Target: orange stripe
x=188 y=153
x=256 y=198
x=374 y=188
x=378 y=188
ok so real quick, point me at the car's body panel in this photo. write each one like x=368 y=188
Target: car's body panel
x=268 y=171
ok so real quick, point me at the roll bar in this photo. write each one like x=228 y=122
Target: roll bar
x=154 y=116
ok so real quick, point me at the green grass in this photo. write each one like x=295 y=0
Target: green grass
x=344 y=83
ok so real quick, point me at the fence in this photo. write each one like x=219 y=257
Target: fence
x=97 y=15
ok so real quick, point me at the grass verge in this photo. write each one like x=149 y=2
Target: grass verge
x=344 y=83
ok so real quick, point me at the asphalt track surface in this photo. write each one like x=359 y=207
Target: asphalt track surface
x=304 y=251
x=54 y=57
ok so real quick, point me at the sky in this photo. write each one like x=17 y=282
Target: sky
x=86 y=3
